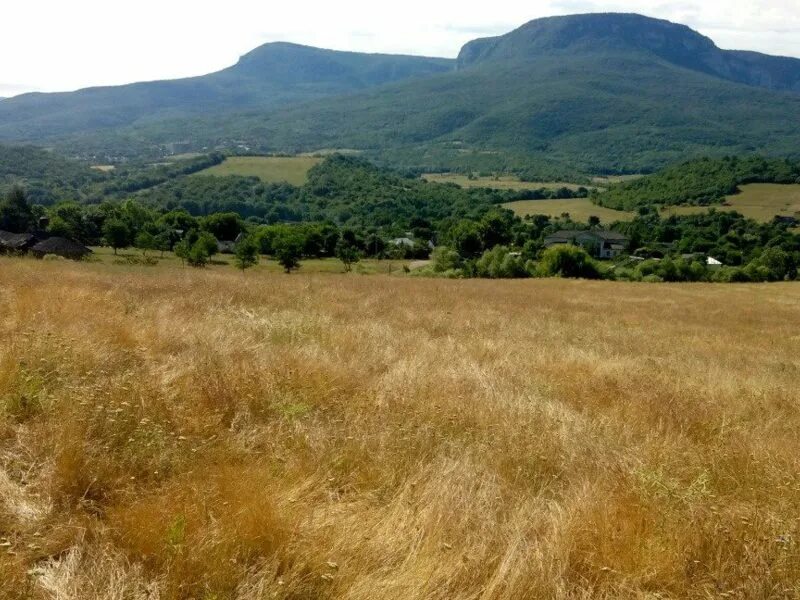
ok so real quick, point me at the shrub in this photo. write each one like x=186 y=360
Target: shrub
x=198 y=255
x=567 y=261
x=445 y=259
x=500 y=263
x=652 y=279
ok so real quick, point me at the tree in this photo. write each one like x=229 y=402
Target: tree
x=466 y=239
x=348 y=254
x=198 y=255
x=246 y=253
x=208 y=242
x=145 y=241
x=116 y=234
x=223 y=226
x=163 y=241
x=16 y=213
x=182 y=250
x=594 y=221
x=287 y=246
x=496 y=227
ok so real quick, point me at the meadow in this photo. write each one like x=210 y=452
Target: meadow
x=579 y=210
x=131 y=258
x=173 y=433
x=758 y=201
x=269 y=169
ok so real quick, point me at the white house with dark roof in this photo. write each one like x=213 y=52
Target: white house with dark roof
x=599 y=243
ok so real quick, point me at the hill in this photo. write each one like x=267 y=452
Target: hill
x=272 y=75
x=47 y=177
x=342 y=189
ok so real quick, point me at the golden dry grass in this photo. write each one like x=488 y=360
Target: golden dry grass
x=170 y=433
x=502 y=182
x=579 y=210
x=758 y=201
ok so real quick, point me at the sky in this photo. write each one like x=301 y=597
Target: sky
x=58 y=45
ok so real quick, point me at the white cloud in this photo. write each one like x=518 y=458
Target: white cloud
x=55 y=45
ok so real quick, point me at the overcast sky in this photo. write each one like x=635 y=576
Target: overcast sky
x=54 y=45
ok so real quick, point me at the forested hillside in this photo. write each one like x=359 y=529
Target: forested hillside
x=342 y=189
x=47 y=177
x=704 y=181
x=273 y=75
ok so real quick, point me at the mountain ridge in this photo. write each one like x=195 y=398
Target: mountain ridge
x=604 y=93
x=279 y=81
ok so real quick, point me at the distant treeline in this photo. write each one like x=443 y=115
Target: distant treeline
x=128 y=180
x=346 y=190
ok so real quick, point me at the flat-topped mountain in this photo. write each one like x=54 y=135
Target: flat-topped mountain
x=674 y=43
x=270 y=76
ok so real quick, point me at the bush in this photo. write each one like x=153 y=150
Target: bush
x=652 y=279
x=567 y=261
x=198 y=254
x=729 y=275
x=500 y=263
x=446 y=259
x=146 y=261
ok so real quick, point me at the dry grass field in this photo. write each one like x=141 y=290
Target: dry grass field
x=758 y=201
x=174 y=434
x=269 y=169
x=504 y=182
x=579 y=209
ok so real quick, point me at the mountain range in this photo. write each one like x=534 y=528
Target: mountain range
x=597 y=93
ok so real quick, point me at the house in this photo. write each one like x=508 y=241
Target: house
x=60 y=246
x=708 y=261
x=598 y=243
x=226 y=246
x=16 y=243
x=406 y=242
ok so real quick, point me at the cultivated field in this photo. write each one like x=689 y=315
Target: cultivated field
x=270 y=169
x=505 y=182
x=762 y=201
x=170 y=433
x=579 y=209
